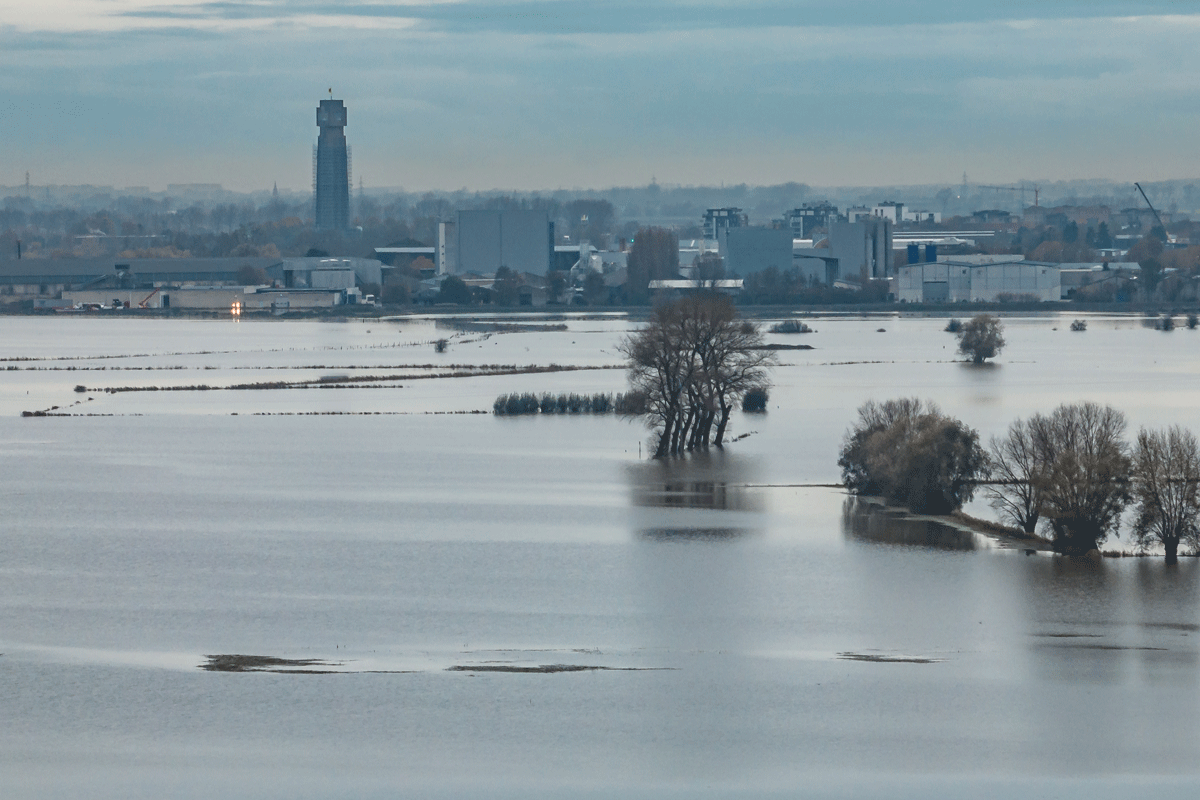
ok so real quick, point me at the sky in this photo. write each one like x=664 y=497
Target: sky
x=550 y=94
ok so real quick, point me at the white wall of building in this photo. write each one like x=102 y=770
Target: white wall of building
x=983 y=283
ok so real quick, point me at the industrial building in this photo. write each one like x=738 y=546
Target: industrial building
x=49 y=276
x=239 y=299
x=331 y=168
x=330 y=273
x=951 y=281
x=855 y=252
x=747 y=250
x=486 y=240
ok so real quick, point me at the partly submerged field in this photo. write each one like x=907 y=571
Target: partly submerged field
x=326 y=583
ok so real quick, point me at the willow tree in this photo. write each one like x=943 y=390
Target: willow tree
x=913 y=455
x=693 y=361
x=981 y=337
x=1166 y=488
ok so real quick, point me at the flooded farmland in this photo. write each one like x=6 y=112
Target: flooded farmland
x=346 y=577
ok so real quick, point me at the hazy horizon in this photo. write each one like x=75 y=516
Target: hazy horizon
x=530 y=95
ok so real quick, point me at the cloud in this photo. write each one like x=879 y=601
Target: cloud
x=555 y=16
x=528 y=94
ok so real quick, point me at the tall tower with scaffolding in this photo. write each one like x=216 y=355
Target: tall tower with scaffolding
x=331 y=167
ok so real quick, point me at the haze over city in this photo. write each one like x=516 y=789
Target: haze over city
x=558 y=93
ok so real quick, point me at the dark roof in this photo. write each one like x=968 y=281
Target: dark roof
x=74 y=270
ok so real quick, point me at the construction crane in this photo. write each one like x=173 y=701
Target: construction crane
x=143 y=303
x=1170 y=238
x=1021 y=189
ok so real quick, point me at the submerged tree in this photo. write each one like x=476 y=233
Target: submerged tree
x=1085 y=473
x=1018 y=467
x=981 y=337
x=1166 y=487
x=693 y=362
x=913 y=455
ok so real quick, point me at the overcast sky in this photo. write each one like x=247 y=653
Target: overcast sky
x=530 y=94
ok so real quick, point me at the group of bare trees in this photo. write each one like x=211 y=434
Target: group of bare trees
x=1070 y=471
x=1074 y=471
x=693 y=362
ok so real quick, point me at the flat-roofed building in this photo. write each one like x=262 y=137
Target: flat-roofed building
x=962 y=281
x=40 y=277
x=486 y=240
x=748 y=250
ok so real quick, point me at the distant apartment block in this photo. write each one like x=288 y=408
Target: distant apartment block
x=892 y=211
x=808 y=217
x=719 y=219
x=922 y=216
x=331 y=168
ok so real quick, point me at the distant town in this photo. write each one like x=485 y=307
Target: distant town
x=197 y=246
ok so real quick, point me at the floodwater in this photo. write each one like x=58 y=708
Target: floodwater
x=462 y=605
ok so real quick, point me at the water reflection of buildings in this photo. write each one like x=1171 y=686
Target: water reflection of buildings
x=703 y=497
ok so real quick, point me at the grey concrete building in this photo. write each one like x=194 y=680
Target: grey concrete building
x=748 y=250
x=331 y=168
x=487 y=240
x=863 y=249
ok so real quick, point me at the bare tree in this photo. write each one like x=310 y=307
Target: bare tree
x=981 y=337
x=734 y=363
x=693 y=362
x=660 y=370
x=1166 y=487
x=654 y=255
x=1086 y=473
x=1018 y=471
x=506 y=287
x=252 y=276
x=556 y=283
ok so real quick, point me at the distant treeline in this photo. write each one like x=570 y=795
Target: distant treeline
x=515 y=404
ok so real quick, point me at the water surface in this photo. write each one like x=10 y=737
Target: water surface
x=750 y=635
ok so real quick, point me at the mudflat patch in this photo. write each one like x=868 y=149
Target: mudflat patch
x=883 y=658
x=244 y=663
x=543 y=669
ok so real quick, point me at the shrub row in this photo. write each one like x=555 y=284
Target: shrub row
x=631 y=403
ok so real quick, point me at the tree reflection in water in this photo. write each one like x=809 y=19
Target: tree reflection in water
x=869 y=522
x=703 y=497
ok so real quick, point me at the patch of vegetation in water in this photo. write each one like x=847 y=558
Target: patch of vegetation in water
x=246 y=663
x=880 y=658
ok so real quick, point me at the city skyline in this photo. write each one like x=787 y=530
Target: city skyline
x=544 y=95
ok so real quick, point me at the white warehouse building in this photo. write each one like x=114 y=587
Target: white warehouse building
x=960 y=281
